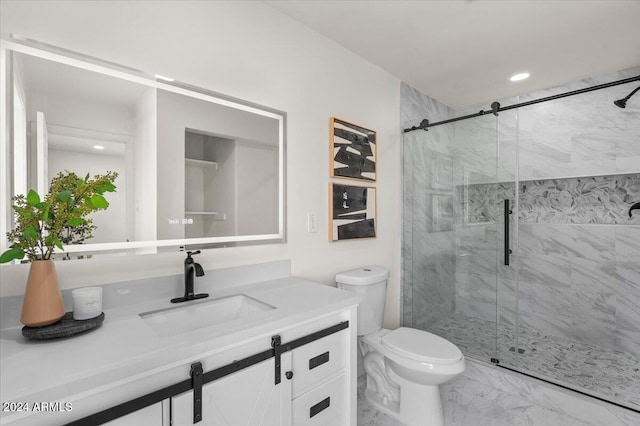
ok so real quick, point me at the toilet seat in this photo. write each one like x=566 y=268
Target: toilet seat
x=421 y=346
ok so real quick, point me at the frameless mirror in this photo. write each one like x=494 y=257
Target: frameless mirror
x=194 y=168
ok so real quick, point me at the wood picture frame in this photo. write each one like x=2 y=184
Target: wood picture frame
x=353 y=151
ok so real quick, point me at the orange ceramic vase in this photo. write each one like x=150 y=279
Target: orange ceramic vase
x=42 y=303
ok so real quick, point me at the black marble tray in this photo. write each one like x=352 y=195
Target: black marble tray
x=66 y=327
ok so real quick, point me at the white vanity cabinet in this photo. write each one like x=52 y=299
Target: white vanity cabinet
x=152 y=415
x=315 y=386
x=291 y=365
x=247 y=397
x=320 y=384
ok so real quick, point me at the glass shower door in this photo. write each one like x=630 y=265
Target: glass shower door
x=483 y=181
x=456 y=180
x=578 y=275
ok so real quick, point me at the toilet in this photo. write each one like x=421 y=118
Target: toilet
x=404 y=366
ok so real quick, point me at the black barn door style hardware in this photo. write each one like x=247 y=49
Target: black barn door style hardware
x=507 y=250
x=198 y=379
x=275 y=344
x=196 y=383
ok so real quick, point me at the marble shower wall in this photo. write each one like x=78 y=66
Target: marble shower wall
x=577 y=249
x=579 y=260
x=428 y=243
x=595 y=200
x=578 y=254
x=578 y=160
x=582 y=135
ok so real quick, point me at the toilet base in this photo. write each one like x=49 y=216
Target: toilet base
x=405 y=392
x=390 y=408
x=419 y=406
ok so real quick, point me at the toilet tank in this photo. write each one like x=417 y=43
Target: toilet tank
x=370 y=283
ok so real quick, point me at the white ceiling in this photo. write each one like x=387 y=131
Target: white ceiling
x=463 y=52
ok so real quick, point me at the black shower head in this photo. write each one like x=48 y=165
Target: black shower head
x=622 y=103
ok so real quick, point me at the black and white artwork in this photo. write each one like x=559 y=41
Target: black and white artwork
x=353 y=212
x=353 y=151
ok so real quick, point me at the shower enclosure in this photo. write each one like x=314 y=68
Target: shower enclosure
x=519 y=245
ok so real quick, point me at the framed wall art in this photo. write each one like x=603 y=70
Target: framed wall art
x=353 y=151
x=352 y=212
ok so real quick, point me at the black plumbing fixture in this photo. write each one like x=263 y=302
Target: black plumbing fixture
x=191 y=268
x=622 y=103
x=636 y=206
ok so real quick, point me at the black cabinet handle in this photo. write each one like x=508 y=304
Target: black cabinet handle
x=636 y=206
x=320 y=406
x=318 y=360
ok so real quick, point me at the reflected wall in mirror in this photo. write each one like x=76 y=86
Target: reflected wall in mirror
x=195 y=168
x=226 y=174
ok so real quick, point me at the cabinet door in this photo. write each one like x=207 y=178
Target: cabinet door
x=316 y=361
x=247 y=397
x=325 y=405
x=149 y=416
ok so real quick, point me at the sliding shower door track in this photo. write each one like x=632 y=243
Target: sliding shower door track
x=496 y=363
x=497 y=108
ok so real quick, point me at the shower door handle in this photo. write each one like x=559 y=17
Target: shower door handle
x=507 y=250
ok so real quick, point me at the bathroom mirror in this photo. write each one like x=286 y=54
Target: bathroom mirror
x=195 y=168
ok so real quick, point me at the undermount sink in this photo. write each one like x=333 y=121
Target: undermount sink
x=198 y=314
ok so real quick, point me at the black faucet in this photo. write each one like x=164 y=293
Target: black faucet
x=191 y=268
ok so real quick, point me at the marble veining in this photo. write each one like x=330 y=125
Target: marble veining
x=599 y=199
x=487 y=395
x=600 y=371
x=572 y=287
x=581 y=200
x=428 y=249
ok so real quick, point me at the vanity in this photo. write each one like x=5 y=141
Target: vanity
x=264 y=349
x=196 y=169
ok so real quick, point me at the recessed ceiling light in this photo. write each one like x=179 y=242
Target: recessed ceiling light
x=520 y=76
x=161 y=77
x=98 y=147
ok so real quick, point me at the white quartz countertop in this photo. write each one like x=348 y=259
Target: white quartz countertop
x=125 y=349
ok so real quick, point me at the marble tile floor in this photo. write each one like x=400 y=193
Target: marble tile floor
x=488 y=396
x=609 y=374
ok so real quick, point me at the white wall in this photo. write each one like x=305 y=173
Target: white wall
x=112 y=226
x=250 y=51
x=80 y=114
x=176 y=113
x=257 y=188
x=218 y=196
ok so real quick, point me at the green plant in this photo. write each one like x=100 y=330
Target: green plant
x=42 y=225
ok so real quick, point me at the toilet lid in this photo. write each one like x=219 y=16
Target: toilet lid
x=421 y=345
